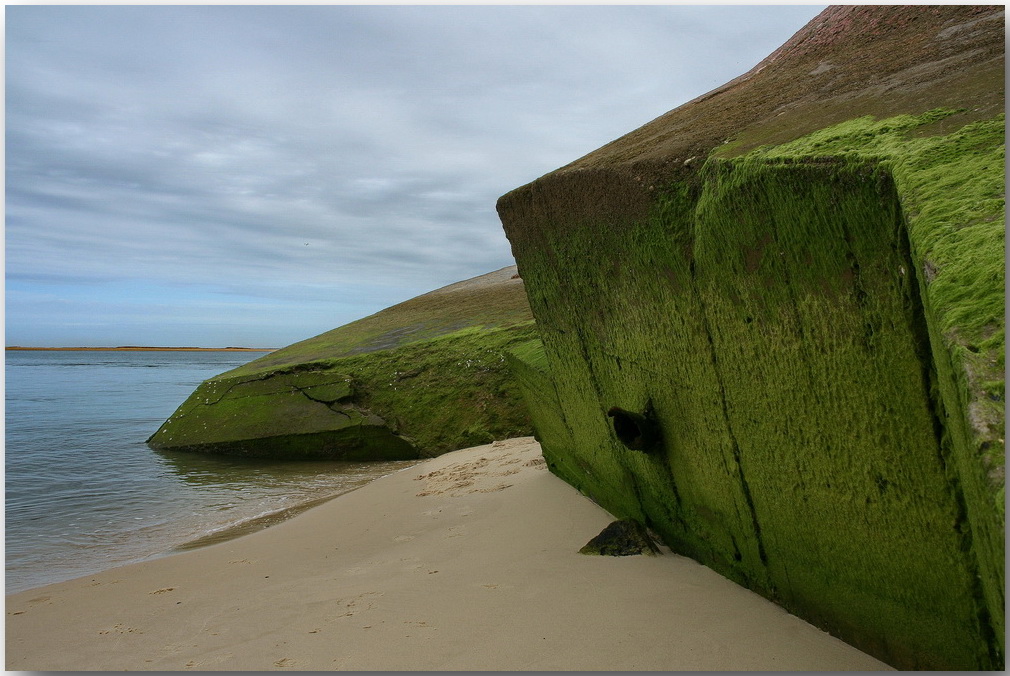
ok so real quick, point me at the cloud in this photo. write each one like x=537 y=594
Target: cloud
x=250 y=151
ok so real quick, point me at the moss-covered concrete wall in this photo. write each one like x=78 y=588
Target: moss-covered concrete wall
x=777 y=316
x=417 y=400
x=417 y=379
x=305 y=415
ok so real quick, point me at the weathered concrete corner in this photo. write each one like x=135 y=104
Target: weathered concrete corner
x=301 y=415
x=798 y=279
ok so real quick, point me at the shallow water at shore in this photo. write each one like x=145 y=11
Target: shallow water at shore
x=84 y=492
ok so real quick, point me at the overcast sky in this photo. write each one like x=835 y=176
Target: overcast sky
x=256 y=175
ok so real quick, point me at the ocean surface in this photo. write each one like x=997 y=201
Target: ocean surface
x=84 y=493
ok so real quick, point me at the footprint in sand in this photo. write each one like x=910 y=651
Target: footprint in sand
x=120 y=629
x=359 y=603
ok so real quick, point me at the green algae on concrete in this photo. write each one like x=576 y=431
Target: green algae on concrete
x=493 y=300
x=447 y=393
x=419 y=400
x=952 y=198
x=830 y=405
x=813 y=306
x=787 y=362
x=417 y=379
x=292 y=415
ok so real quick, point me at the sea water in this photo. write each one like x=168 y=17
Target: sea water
x=84 y=493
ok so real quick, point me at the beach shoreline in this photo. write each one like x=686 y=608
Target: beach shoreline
x=468 y=561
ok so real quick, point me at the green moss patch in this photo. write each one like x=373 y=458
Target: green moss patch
x=494 y=300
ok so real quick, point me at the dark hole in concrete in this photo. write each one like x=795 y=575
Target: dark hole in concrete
x=634 y=430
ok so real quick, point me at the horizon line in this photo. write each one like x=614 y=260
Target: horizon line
x=139 y=348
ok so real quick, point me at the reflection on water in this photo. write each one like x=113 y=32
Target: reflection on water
x=85 y=493
x=237 y=473
x=317 y=481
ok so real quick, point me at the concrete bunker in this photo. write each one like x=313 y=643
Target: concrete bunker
x=806 y=444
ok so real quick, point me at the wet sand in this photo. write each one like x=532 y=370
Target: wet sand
x=465 y=562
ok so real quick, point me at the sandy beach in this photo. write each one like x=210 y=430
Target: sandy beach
x=465 y=562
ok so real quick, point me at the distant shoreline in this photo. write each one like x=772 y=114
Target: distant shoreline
x=133 y=348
